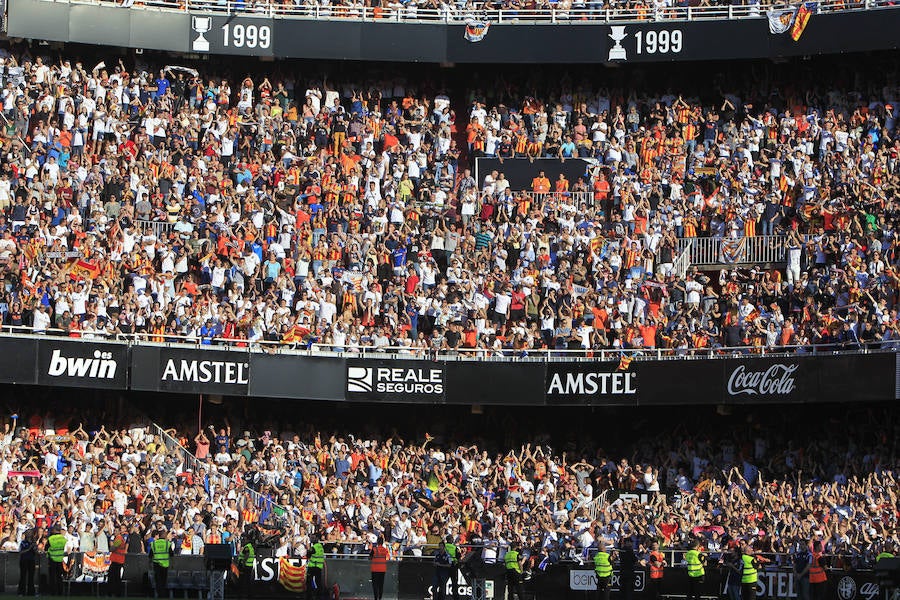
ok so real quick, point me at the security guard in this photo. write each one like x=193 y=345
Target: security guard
x=817 y=576
x=245 y=566
x=885 y=553
x=695 y=569
x=512 y=560
x=657 y=563
x=603 y=570
x=56 y=553
x=378 y=559
x=453 y=552
x=749 y=573
x=315 y=566
x=160 y=553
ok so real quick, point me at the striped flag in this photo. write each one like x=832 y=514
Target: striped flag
x=804 y=12
x=624 y=362
x=291 y=577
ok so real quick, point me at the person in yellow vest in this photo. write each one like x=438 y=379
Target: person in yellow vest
x=452 y=551
x=513 y=561
x=160 y=556
x=696 y=571
x=56 y=553
x=245 y=565
x=886 y=552
x=315 y=566
x=749 y=572
x=603 y=570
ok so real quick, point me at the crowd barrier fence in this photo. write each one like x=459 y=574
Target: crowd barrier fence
x=585 y=379
x=414 y=579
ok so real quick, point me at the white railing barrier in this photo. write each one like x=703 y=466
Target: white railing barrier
x=216 y=478
x=759 y=249
x=548 y=15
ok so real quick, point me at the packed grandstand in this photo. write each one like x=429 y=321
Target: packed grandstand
x=167 y=200
x=166 y=203
x=754 y=479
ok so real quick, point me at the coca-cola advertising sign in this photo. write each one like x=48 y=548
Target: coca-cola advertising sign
x=776 y=379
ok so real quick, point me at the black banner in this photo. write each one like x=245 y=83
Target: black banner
x=398 y=380
x=679 y=381
x=520 y=171
x=516 y=383
x=195 y=371
x=292 y=376
x=232 y=34
x=754 y=380
x=592 y=382
x=856 y=377
x=82 y=364
x=18 y=360
x=506 y=42
x=732 y=379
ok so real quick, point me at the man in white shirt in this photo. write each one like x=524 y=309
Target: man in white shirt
x=41 y=320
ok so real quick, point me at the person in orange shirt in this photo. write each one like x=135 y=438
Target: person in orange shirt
x=562 y=184
x=540 y=184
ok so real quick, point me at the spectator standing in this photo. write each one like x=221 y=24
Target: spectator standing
x=378 y=557
x=118 y=552
x=27 y=560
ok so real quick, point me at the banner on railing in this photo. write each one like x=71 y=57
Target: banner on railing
x=198 y=371
x=396 y=380
x=293 y=376
x=85 y=363
x=602 y=378
x=18 y=360
x=542 y=36
x=592 y=383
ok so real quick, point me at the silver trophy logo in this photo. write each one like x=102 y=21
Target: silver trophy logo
x=618 y=34
x=201 y=25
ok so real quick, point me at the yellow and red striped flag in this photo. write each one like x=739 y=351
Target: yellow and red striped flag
x=804 y=12
x=291 y=577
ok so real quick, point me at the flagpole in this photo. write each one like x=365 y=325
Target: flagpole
x=200 y=415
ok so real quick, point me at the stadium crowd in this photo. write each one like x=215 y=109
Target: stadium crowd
x=761 y=480
x=181 y=205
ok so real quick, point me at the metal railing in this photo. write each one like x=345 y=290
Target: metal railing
x=683 y=259
x=159 y=228
x=759 y=249
x=464 y=354
x=579 y=12
x=567 y=198
x=216 y=478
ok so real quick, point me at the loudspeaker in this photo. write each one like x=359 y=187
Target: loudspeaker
x=218 y=557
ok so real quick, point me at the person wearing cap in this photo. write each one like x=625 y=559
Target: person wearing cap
x=160 y=553
x=56 y=553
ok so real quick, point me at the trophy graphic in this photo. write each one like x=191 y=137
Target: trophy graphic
x=201 y=25
x=618 y=34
